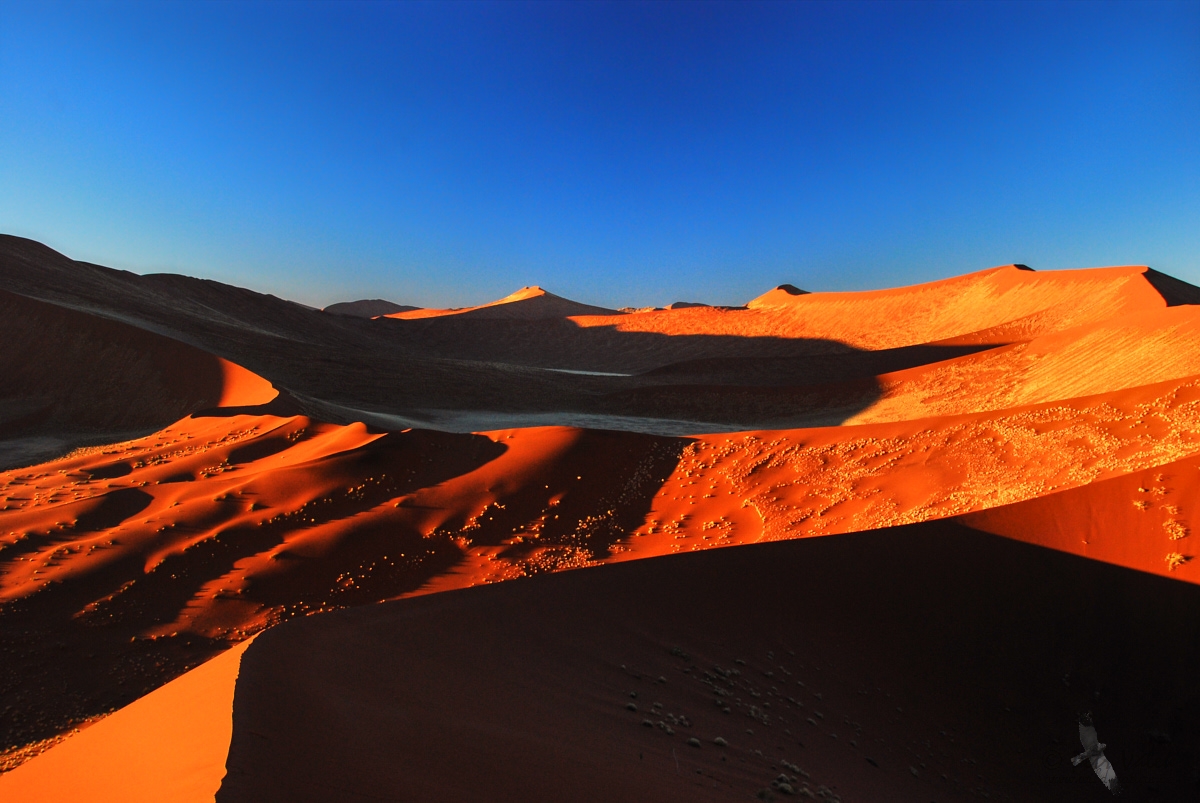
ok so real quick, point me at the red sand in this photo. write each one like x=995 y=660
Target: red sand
x=124 y=565
x=1026 y=303
x=1143 y=520
x=528 y=303
x=170 y=745
x=926 y=663
x=75 y=377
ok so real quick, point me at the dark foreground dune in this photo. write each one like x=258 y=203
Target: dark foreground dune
x=922 y=663
x=933 y=648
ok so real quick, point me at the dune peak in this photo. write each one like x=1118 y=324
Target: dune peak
x=525 y=293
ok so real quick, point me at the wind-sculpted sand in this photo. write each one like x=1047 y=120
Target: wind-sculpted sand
x=214 y=464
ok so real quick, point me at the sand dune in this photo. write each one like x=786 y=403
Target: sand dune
x=1030 y=302
x=721 y=367
x=367 y=308
x=220 y=526
x=895 y=665
x=254 y=462
x=930 y=662
x=172 y=744
x=1129 y=351
x=1142 y=519
x=70 y=378
x=528 y=303
x=1025 y=303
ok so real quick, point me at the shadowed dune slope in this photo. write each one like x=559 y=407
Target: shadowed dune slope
x=1058 y=408
x=924 y=663
x=135 y=561
x=720 y=368
x=70 y=377
x=367 y=308
x=170 y=745
x=342 y=368
x=928 y=662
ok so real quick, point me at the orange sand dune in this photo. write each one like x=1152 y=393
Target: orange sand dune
x=746 y=487
x=1137 y=349
x=528 y=303
x=930 y=662
x=1145 y=520
x=721 y=368
x=267 y=516
x=1023 y=403
x=246 y=506
x=1028 y=303
x=170 y=745
x=219 y=526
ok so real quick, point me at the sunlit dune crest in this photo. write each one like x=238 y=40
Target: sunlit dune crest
x=188 y=464
x=171 y=744
x=1028 y=303
x=242 y=388
x=527 y=303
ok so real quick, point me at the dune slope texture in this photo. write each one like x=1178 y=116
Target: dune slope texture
x=185 y=464
x=170 y=745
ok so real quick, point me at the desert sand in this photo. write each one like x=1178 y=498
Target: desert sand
x=187 y=465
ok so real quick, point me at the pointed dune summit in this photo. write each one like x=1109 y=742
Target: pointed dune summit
x=528 y=303
x=782 y=295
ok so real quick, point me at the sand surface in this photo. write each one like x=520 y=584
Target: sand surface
x=926 y=663
x=171 y=744
x=187 y=464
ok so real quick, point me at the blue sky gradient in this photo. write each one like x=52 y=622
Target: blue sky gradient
x=620 y=154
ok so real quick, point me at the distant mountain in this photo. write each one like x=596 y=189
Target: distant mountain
x=367 y=308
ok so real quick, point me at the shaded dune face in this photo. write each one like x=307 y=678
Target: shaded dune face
x=341 y=368
x=220 y=526
x=327 y=461
x=924 y=663
x=69 y=377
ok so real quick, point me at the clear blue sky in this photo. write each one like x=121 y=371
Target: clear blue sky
x=620 y=154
